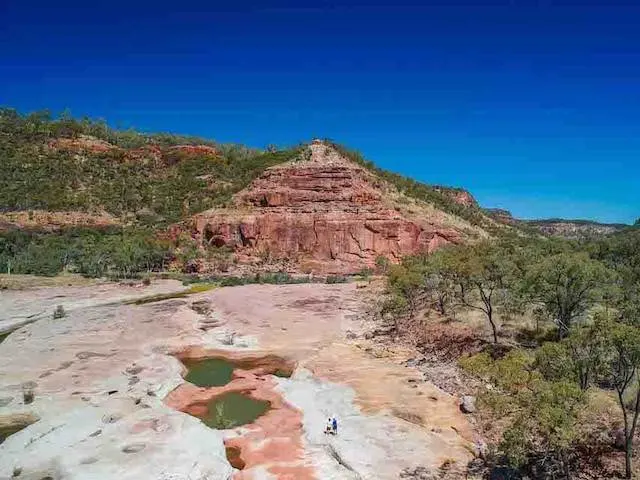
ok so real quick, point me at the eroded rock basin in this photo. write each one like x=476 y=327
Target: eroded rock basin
x=233 y=409
x=210 y=372
x=111 y=396
x=238 y=389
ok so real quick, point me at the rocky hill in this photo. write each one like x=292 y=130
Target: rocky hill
x=326 y=214
x=322 y=205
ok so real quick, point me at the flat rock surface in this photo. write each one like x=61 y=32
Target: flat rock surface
x=99 y=377
x=22 y=306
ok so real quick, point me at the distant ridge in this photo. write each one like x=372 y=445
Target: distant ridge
x=560 y=227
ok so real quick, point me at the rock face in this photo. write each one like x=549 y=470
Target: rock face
x=324 y=212
x=83 y=143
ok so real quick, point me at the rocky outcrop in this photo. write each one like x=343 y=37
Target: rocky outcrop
x=325 y=213
x=501 y=215
x=195 y=150
x=104 y=380
x=558 y=227
x=43 y=220
x=151 y=152
x=273 y=442
x=458 y=195
x=82 y=143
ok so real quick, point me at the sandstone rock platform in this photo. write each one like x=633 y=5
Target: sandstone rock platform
x=105 y=380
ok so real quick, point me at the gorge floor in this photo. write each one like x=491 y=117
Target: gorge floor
x=109 y=390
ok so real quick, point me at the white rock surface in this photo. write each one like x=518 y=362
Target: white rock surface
x=20 y=307
x=366 y=446
x=101 y=372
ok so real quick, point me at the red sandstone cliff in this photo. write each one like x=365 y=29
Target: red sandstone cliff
x=323 y=212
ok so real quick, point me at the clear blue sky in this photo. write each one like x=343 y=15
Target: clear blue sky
x=532 y=106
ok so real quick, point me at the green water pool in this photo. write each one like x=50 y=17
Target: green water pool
x=212 y=372
x=232 y=410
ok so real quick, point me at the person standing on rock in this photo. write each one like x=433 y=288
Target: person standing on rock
x=329 y=427
x=334 y=425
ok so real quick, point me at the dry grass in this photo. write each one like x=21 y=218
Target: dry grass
x=22 y=282
x=197 y=288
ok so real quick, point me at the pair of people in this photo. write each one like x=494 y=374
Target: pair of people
x=332 y=426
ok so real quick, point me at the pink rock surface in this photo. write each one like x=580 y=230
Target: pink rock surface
x=274 y=441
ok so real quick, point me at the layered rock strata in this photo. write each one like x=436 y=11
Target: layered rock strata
x=324 y=212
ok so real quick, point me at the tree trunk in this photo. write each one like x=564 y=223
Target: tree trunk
x=628 y=445
x=630 y=434
x=627 y=456
x=565 y=464
x=494 y=329
x=563 y=326
x=441 y=306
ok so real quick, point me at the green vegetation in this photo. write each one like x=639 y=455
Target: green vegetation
x=115 y=253
x=543 y=414
x=440 y=197
x=275 y=278
x=199 y=288
x=566 y=285
x=585 y=299
x=141 y=179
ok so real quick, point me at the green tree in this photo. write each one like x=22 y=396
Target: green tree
x=542 y=415
x=382 y=263
x=406 y=282
x=567 y=285
x=441 y=279
x=579 y=357
x=623 y=365
x=486 y=277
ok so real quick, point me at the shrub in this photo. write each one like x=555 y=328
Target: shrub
x=336 y=279
x=59 y=312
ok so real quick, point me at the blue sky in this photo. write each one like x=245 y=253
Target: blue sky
x=532 y=106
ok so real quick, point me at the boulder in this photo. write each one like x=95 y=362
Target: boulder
x=468 y=404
